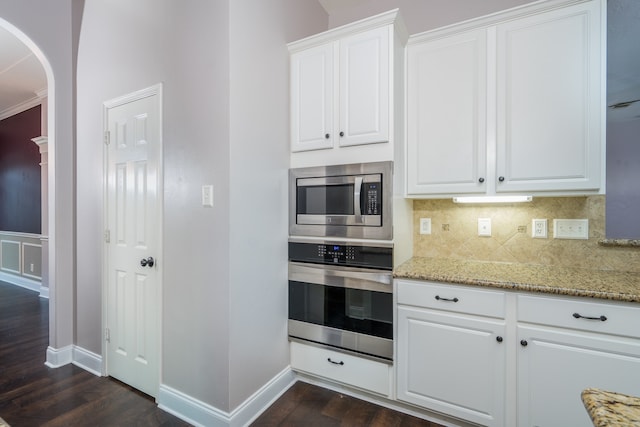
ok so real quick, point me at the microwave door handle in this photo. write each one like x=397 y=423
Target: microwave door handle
x=357 y=188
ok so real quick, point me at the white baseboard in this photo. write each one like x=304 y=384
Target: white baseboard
x=44 y=292
x=23 y=282
x=202 y=414
x=256 y=404
x=87 y=360
x=57 y=357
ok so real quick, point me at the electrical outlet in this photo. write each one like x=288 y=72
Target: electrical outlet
x=539 y=228
x=484 y=227
x=570 y=228
x=425 y=225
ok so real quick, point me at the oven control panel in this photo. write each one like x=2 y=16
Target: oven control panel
x=342 y=254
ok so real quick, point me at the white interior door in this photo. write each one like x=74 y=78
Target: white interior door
x=133 y=266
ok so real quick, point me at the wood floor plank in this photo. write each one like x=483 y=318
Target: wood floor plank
x=33 y=395
x=309 y=405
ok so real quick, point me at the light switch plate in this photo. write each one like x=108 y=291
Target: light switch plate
x=484 y=227
x=207 y=196
x=425 y=225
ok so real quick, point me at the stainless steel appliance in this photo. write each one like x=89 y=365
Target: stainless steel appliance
x=347 y=201
x=341 y=295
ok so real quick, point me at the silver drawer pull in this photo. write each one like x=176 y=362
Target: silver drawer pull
x=439 y=298
x=579 y=316
x=335 y=363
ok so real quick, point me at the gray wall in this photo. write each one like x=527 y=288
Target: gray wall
x=51 y=28
x=224 y=69
x=419 y=15
x=623 y=180
x=259 y=70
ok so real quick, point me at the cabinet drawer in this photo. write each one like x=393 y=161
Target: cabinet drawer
x=452 y=298
x=347 y=369
x=582 y=315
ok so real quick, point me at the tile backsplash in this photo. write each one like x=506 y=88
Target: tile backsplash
x=454 y=233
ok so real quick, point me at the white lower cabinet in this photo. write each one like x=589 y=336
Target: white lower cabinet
x=350 y=370
x=560 y=354
x=449 y=361
x=509 y=358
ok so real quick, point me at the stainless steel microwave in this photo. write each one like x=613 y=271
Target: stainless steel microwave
x=349 y=201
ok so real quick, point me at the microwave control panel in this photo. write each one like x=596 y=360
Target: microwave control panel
x=348 y=255
x=373 y=198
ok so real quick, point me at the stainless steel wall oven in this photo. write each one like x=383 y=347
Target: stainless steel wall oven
x=341 y=295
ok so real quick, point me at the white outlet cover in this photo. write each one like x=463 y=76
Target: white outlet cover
x=571 y=229
x=539 y=228
x=425 y=225
x=484 y=227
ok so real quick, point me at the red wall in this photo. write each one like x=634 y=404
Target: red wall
x=20 y=198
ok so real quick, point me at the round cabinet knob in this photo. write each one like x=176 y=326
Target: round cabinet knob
x=480 y=180
x=341 y=133
x=501 y=178
x=524 y=343
x=326 y=136
x=499 y=338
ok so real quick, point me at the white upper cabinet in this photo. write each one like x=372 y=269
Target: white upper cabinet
x=549 y=103
x=344 y=85
x=447 y=141
x=510 y=103
x=312 y=95
x=364 y=88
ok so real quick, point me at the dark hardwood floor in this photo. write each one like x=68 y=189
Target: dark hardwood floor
x=308 y=405
x=32 y=394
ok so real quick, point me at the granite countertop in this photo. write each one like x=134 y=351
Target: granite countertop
x=608 y=409
x=611 y=285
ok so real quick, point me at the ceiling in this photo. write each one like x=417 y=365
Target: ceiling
x=22 y=77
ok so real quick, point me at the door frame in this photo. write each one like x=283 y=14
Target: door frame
x=155 y=90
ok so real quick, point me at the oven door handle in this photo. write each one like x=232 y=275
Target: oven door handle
x=346 y=277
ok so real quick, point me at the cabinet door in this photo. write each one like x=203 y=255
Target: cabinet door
x=446 y=113
x=556 y=365
x=549 y=100
x=364 y=87
x=312 y=98
x=451 y=363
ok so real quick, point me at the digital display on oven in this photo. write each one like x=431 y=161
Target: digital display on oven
x=356 y=256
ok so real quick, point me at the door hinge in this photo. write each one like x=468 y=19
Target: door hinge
x=107 y=335
x=107 y=137
x=107 y=236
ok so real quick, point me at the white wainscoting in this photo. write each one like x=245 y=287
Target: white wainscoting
x=21 y=261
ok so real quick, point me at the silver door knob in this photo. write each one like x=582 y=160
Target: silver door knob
x=147 y=262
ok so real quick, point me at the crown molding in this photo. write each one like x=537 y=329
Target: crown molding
x=19 y=108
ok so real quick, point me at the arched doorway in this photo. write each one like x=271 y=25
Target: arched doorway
x=48 y=229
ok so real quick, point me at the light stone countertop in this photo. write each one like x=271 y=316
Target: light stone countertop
x=603 y=284
x=608 y=409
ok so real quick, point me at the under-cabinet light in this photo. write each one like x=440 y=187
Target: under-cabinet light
x=492 y=199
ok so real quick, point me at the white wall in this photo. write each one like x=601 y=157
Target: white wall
x=126 y=46
x=224 y=69
x=52 y=27
x=259 y=73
